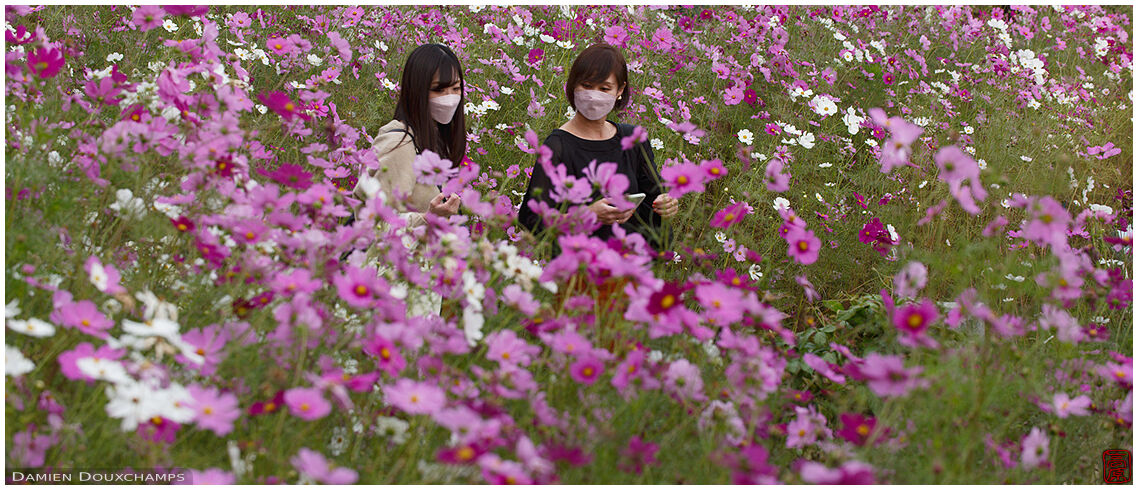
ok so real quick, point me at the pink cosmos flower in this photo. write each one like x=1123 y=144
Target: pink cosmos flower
x=1067 y=327
x=312 y=464
x=683 y=379
x=147 y=17
x=432 y=169
x=733 y=95
x=280 y=103
x=616 y=36
x=850 y=473
x=628 y=370
x=29 y=449
x=388 y=358
x=307 y=403
x=714 y=169
x=913 y=320
x=1065 y=406
x=823 y=367
x=638 y=454
x=639 y=135
x=84 y=316
x=805 y=428
x=729 y=215
x=1036 y=449
x=807 y=287
x=956 y=167
x=358 y=287
x=415 y=397
x=206 y=342
x=776 y=180
x=1103 y=152
x=586 y=369
x=46 y=62
x=722 y=304
x=505 y=347
x=803 y=246
x=909 y=281
x=213 y=410
x=1048 y=225
x=683 y=178
x=773 y=129
x=886 y=375
x=279 y=46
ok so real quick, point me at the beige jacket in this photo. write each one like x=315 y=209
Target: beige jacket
x=396 y=174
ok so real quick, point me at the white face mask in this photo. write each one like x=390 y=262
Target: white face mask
x=443 y=108
x=593 y=104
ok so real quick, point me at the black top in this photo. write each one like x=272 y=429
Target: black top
x=637 y=163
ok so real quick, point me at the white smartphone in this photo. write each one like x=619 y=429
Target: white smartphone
x=636 y=199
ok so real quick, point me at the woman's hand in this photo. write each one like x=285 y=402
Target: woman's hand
x=666 y=206
x=445 y=206
x=608 y=214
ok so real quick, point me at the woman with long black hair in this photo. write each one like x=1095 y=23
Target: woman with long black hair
x=428 y=116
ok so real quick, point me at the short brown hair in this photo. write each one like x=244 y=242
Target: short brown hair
x=594 y=65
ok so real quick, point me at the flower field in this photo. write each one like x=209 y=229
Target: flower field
x=903 y=253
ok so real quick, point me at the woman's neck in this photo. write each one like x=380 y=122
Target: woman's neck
x=582 y=127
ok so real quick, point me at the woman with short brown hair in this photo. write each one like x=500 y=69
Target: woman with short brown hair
x=597 y=86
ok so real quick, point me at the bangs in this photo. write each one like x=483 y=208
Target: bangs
x=448 y=72
x=599 y=70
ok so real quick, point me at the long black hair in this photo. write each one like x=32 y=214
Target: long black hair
x=413 y=107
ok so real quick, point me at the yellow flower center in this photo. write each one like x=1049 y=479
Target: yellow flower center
x=304 y=407
x=361 y=290
x=668 y=301
x=385 y=353
x=863 y=430
x=915 y=320
x=803 y=245
x=588 y=371
x=465 y=453
x=683 y=179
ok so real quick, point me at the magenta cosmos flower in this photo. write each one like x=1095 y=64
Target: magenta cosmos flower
x=358 y=287
x=1065 y=406
x=307 y=403
x=46 y=62
x=856 y=428
x=280 y=103
x=388 y=358
x=913 y=320
x=803 y=246
x=1036 y=448
x=415 y=397
x=213 y=410
x=729 y=215
x=683 y=178
x=313 y=465
x=586 y=369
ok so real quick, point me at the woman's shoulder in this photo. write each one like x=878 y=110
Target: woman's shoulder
x=392 y=135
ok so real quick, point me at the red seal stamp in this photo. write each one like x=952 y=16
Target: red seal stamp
x=1116 y=466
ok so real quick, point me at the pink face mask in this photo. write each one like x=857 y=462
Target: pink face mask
x=443 y=108
x=593 y=104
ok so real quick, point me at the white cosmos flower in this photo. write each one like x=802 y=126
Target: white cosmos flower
x=12 y=308
x=157 y=327
x=781 y=203
x=32 y=326
x=133 y=402
x=472 y=322
x=15 y=364
x=103 y=369
x=98 y=276
x=174 y=403
x=806 y=140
